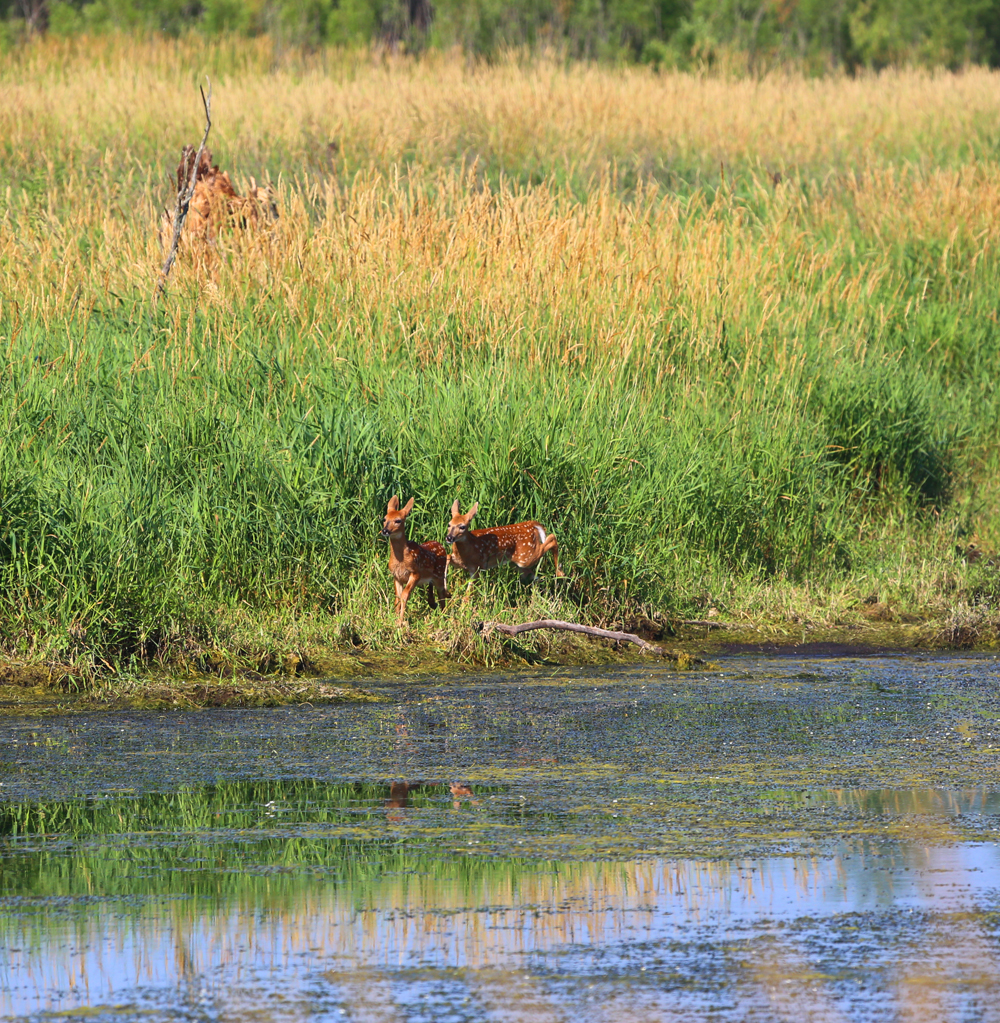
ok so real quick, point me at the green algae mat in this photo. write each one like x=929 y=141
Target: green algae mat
x=767 y=838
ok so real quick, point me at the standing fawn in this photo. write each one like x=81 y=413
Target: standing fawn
x=524 y=543
x=411 y=563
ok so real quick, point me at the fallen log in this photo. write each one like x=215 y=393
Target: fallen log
x=486 y=628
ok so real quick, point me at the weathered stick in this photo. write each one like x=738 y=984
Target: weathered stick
x=185 y=194
x=551 y=623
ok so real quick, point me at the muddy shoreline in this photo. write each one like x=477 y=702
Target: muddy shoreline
x=337 y=675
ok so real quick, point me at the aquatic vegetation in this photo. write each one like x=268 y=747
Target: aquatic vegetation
x=660 y=838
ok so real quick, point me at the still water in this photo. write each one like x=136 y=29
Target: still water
x=770 y=839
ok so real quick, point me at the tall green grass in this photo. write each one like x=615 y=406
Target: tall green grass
x=137 y=503
x=741 y=385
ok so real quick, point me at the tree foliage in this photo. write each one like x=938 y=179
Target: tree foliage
x=757 y=34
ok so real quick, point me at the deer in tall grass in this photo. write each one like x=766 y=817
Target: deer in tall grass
x=215 y=201
x=411 y=563
x=523 y=544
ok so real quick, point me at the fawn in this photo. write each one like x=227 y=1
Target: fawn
x=411 y=563
x=524 y=543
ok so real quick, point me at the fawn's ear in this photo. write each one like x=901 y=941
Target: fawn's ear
x=472 y=511
x=455 y=509
x=408 y=507
x=394 y=503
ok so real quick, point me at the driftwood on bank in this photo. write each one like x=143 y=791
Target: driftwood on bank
x=588 y=630
x=185 y=190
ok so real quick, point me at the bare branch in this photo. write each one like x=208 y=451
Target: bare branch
x=588 y=630
x=186 y=193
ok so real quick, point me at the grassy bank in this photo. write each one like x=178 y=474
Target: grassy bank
x=735 y=342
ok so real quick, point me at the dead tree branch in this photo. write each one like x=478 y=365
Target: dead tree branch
x=185 y=194
x=550 y=623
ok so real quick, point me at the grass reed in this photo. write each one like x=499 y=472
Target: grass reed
x=574 y=294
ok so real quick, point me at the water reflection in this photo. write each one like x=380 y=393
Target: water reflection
x=193 y=906
x=743 y=844
x=909 y=802
x=399 y=798
x=534 y=925
x=461 y=791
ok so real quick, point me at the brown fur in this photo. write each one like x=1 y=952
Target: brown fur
x=411 y=563
x=523 y=544
x=215 y=201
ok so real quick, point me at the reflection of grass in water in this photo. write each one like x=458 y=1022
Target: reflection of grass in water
x=226 y=805
x=233 y=838
x=460 y=912
x=339 y=868
x=220 y=829
x=276 y=836
x=680 y=767
x=220 y=850
x=703 y=777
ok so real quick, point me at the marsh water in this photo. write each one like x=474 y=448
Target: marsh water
x=779 y=838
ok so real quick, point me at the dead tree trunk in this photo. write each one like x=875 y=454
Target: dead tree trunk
x=185 y=191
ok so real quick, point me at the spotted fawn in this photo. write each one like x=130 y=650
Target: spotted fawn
x=523 y=544
x=411 y=563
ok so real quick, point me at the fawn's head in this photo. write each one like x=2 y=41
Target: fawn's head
x=394 y=523
x=460 y=524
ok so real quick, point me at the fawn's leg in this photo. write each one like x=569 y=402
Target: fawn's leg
x=552 y=545
x=405 y=596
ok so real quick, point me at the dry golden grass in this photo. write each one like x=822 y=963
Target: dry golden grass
x=654 y=280
x=69 y=96
x=582 y=245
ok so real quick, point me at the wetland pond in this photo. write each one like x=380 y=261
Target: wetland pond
x=765 y=838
